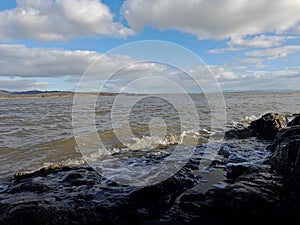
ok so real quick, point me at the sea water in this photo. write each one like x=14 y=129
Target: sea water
x=37 y=132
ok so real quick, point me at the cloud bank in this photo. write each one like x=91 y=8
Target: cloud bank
x=59 y=20
x=22 y=84
x=23 y=68
x=214 y=19
x=20 y=61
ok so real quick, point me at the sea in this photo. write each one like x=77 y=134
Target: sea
x=39 y=132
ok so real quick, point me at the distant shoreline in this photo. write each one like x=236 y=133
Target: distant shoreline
x=67 y=94
x=51 y=94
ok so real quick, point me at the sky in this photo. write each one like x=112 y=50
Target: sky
x=242 y=45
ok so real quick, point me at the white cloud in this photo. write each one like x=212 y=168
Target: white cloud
x=34 y=68
x=285 y=79
x=257 y=61
x=275 y=53
x=22 y=84
x=252 y=60
x=243 y=68
x=288 y=78
x=214 y=19
x=261 y=41
x=296 y=30
x=58 y=20
x=18 y=60
x=223 y=50
x=260 y=65
x=222 y=73
x=21 y=61
x=228 y=79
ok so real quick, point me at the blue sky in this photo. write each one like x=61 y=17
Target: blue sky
x=247 y=45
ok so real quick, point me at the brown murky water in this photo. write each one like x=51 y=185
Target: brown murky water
x=37 y=132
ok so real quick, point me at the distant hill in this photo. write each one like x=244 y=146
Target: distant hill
x=46 y=94
x=34 y=93
x=4 y=93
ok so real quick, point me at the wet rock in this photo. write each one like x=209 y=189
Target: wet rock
x=286 y=158
x=265 y=128
x=253 y=198
x=285 y=136
x=235 y=170
x=294 y=122
x=268 y=125
x=253 y=192
x=224 y=151
x=239 y=133
x=236 y=158
x=78 y=195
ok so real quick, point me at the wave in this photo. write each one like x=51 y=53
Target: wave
x=243 y=122
x=157 y=144
x=161 y=142
x=68 y=162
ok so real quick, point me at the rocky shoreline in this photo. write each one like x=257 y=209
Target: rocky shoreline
x=261 y=185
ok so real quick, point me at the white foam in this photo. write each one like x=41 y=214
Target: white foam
x=68 y=162
x=153 y=142
x=242 y=122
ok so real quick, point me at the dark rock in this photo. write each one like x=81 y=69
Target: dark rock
x=286 y=158
x=268 y=125
x=295 y=121
x=236 y=158
x=235 y=170
x=238 y=133
x=257 y=196
x=252 y=192
x=265 y=128
x=285 y=136
x=78 y=195
x=224 y=151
